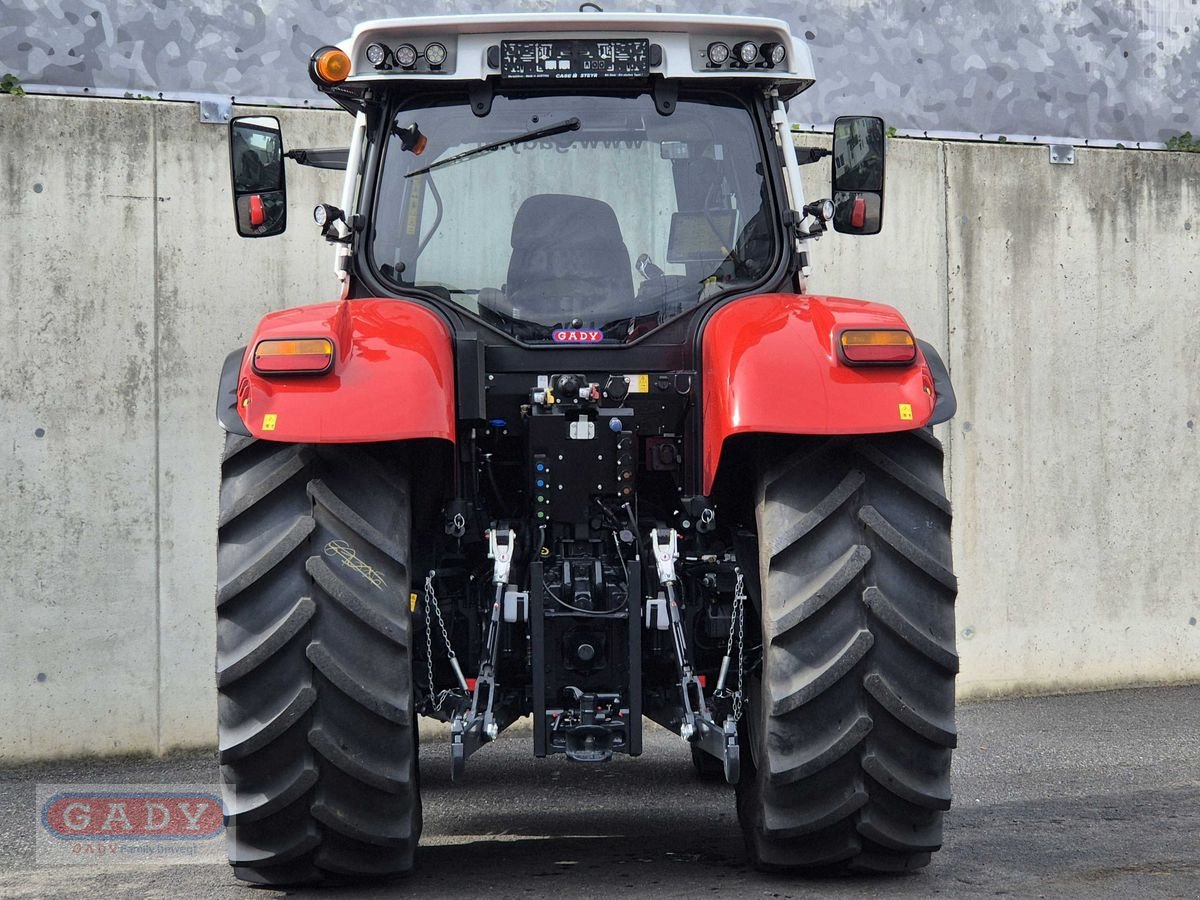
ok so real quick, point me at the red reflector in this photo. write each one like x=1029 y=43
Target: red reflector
x=471 y=685
x=257 y=214
x=703 y=679
x=878 y=346
x=858 y=215
x=283 y=356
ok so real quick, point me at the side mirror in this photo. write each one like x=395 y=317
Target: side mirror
x=858 y=151
x=256 y=167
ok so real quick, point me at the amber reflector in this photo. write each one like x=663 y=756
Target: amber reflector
x=878 y=346
x=305 y=355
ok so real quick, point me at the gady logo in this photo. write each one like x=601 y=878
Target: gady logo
x=132 y=816
x=577 y=335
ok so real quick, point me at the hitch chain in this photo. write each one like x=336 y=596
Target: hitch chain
x=737 y=627
x=438 y=698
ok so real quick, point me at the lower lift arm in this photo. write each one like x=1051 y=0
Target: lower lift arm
x=698 y=726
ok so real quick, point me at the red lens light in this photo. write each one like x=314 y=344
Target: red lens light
x=258 y=215
x=858 y=214
x=310 y=355
x=891 y=346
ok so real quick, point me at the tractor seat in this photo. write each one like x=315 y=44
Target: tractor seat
x=568 y=261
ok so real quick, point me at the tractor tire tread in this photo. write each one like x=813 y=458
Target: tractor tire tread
x=267 y=473
x=240 y=661
x=848 y=758
x=317 y=732
x=266 y=558
x=896 y=622
x=797 y=688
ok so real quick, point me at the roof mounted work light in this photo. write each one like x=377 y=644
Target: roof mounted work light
x=718 y=53
x=406 y=56
x=377 y=55
x=435 y=54
x=773 y=53
x=746 y=52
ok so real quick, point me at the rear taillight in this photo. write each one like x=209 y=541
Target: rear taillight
x=891 y=346
x=858 y=213
x=303 y=355
x=258 y=213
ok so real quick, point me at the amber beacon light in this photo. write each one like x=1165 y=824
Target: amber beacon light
x=330 y=65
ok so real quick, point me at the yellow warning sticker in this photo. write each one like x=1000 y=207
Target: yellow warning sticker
x=906 y=412
x=639 y=384
x=412 y=602
x=269 y=422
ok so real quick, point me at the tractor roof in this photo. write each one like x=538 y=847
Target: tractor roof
x=677 y=47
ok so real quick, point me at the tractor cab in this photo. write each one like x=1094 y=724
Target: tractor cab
x=575 y=178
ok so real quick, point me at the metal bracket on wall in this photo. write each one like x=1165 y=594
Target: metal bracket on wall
x=216 y=112
x=1062 y=154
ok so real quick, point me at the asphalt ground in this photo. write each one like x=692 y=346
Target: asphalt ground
x=1088 y=796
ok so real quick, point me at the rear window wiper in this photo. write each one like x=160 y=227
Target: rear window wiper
x=571 y=124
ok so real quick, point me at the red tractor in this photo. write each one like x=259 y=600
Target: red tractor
x=576 y=443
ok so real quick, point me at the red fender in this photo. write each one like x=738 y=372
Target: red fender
x=771 y=366
x=392 y=376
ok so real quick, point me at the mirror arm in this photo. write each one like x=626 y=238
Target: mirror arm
x=320 y=157
x=808 y=155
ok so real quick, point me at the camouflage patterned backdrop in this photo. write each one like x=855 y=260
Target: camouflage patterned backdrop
x=1105 y=70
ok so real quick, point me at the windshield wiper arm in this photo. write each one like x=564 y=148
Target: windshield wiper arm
x=571 y=124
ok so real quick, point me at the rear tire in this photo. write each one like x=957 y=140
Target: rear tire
x=314 y=670
x=851 y=719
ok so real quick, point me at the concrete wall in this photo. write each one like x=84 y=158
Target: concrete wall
x=1063 y=299
x=122 y=289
